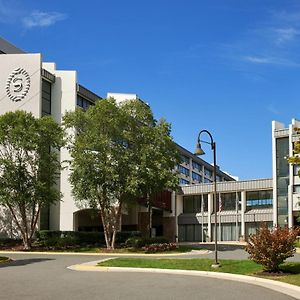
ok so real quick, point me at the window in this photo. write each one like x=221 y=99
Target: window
x=183 y=170
x=183 y=181
x=297 y=189
x=219 y=178
x=207 y=172
x=196 y=166
x=296 y=170
x=259 y=198
x=185 y=159
x=206 y=180
x=46 y=98
x=229 y=201
x=195 y=204
x=196 y=177
x=83 y=103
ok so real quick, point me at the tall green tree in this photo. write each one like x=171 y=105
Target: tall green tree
x=108 y=151
x=29 y=167
x=295 y=159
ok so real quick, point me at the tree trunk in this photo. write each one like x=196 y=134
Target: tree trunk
x=26 y=242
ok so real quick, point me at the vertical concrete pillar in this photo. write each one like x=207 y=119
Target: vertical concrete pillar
x=210 y=210
x=243 y=210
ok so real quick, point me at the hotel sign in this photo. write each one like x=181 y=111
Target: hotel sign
x=20 y=83
x=17 y=85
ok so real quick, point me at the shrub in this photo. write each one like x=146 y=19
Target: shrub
x=270 y=247
x=139 y=242
x=159 y=247
x=64 y=239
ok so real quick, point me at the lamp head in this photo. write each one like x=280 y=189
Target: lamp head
x=199 y=150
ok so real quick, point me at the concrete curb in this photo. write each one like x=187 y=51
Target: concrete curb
x=281 y=287
x=193 y=252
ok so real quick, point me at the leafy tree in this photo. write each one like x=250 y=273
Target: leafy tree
x=271 y=247
x=28 y=169
x=108 y=154
x=295 y=159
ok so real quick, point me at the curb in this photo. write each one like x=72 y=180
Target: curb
x=193 y=252
x=281 y=287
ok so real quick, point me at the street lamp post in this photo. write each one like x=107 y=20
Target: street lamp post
x=199 y=151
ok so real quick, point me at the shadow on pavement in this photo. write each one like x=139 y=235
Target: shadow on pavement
x=23 y=262
x=221 y=247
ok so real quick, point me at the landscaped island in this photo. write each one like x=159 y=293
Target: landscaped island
x=290 y=271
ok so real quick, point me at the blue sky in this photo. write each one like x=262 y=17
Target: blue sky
x=228 y=66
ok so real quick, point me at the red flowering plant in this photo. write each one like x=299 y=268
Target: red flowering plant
x=271 y=247
x=153 y=248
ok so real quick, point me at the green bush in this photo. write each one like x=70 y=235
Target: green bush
x=140 y=242
x=64 y=239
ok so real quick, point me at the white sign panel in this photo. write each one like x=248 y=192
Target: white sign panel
x=20 y=83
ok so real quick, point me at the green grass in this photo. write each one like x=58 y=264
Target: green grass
x=3 y=259
x=242 y=267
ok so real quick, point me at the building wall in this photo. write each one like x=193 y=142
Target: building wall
x=242 y=206
x=26 y=86
x=285 y=194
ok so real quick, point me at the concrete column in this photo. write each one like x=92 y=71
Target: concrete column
x=210 y=210
x=243 y=210
x=291 y=179
x=178 y=211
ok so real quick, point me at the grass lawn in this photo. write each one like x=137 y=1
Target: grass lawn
x=242 y=267
x=3 y=259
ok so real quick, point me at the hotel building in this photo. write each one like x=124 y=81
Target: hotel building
x=28 y=83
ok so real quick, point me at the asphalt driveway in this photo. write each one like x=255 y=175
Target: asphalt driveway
x=33 y=276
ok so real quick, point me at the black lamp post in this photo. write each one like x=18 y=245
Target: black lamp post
x=199 y=151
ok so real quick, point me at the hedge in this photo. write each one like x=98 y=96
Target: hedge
x=140 y=242
x=55 y=238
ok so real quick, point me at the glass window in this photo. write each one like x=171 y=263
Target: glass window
x=196 y=177
x=205 y=202
x=183 y=170
x=207 y=172
x=197 y=204
x=259 y=198
x=206 y=180
x=196 y=166
x=188 y=204
x=296 y=170
x=46 y=98
x=83 y=103
x=183 y=181
x=297 y=189
x=185 y=159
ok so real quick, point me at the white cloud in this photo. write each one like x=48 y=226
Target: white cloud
x=270 y=61
x=258 y=60
x=42 y=19
x=284 y=35
x=272 y=109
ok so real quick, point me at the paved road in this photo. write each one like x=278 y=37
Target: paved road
x=46 y=277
